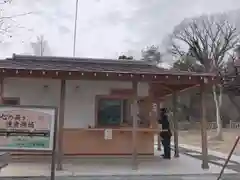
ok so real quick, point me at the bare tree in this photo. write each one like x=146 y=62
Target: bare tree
x=187 y=63
x=2 y=2
x=8 y=23
x=40 y=47
x=208 y=38
x=4 y=25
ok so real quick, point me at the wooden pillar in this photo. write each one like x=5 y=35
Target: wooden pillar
x=160 y=105
x=135 y=126
x=175 y=124
x=204 y=128
x=1 y=90
x=152 y=108
x=61 y=125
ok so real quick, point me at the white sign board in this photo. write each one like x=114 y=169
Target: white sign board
x=154 y=107
x=108 y=134
x=27 y=128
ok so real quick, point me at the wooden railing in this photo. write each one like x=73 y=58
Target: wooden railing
x=234 y=125
x=195 y=125
x=211 y=125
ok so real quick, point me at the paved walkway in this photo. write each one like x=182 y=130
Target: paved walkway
x=183 y=165
x=153 y=177
x=156 y=166
x=216 y=158
x=186 y=167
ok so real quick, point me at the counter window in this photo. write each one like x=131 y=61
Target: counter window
x=111 y=112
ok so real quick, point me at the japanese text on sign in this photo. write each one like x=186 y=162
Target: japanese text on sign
x=16 y=121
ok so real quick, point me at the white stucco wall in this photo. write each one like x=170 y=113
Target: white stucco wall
x=80 y=96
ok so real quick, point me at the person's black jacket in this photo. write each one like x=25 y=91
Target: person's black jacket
x=165 y=126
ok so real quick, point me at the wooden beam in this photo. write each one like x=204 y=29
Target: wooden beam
x=204 y=128
x=175 y=124
x=135 y=126
x=177 y=79
x=61 y=125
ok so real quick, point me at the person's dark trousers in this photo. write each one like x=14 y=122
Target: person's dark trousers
x=166 y=146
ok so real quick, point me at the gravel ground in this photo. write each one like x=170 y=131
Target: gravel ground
x=193 y=137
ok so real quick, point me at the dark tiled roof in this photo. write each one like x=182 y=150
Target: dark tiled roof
x=85 y=65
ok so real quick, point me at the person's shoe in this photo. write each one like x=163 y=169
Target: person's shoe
x=164 y=157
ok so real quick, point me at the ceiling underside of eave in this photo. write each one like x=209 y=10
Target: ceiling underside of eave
x=161 y=90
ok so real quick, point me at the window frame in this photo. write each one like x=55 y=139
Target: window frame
x=97 y=101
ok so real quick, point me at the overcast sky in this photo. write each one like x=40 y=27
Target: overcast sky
x=106 y=28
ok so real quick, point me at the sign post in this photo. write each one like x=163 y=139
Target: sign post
x=29 y=128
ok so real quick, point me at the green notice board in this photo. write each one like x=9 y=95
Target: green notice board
x=27 y=127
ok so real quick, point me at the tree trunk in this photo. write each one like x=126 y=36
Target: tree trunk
x=218 y=103
x=235 y=104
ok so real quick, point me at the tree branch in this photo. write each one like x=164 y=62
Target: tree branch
x=208 y=38
x=15 y=16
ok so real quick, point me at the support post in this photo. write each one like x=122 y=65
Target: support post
x=153 y=115
x=153 y=108
x=204 y=128
x=159 y=148
x=61 y=125
x=1 y=90
x=175 y=124
x=135 y=126
x=160 y=105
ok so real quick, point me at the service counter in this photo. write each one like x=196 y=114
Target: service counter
x=93 y=141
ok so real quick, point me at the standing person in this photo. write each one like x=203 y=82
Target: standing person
x=165 y=134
